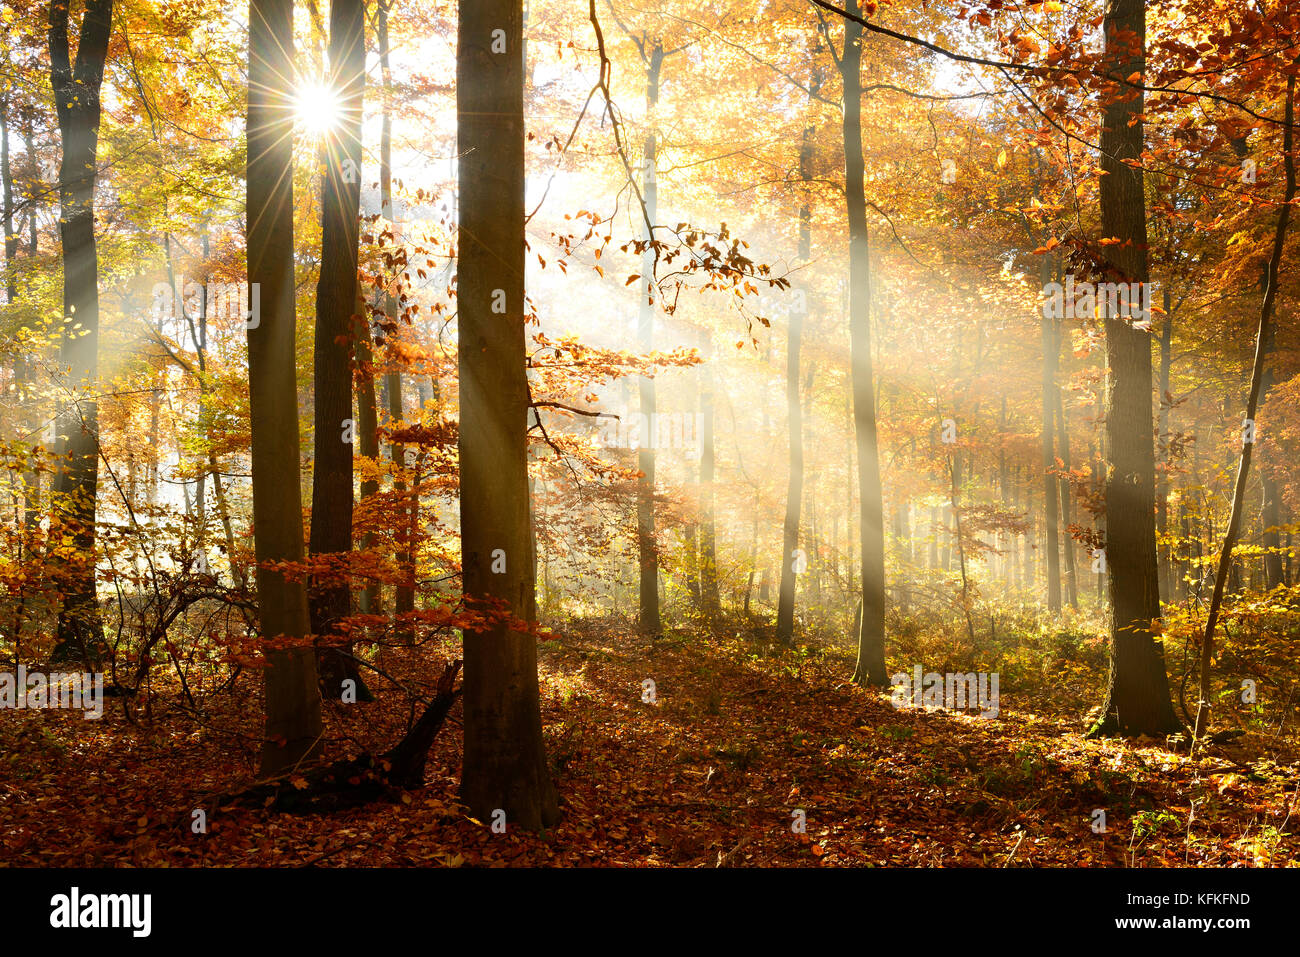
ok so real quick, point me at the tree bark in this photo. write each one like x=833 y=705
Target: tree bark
x=1137 y=695
x=870 y=668
x=337 y=333
x=1067 y=542
x=505 y=761
x=404 y=597
x=1051 y=484
x=708 y=544
x=794 y=414
x=293 y=709
x=1162 y=431
x=76 y=89
x=647 y=543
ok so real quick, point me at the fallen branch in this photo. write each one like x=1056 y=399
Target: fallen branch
x=365 y=778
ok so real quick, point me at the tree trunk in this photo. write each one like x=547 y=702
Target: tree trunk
x=954 y=475
x=647 y=544
x=1137 y=694
x=794 y=413
x=336 y=332
x=30 y=481
x=1262 y=340
x=404 y=598
x=76 y=89
x=505 y=761
x=708 y=551
x=1067 y=542
x=1006 y=541
x=1051 y=484
x=293 y=710
x=1162 y=431
x=1270 y=519
x=870 y=669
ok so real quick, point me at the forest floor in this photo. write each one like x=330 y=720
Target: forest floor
x=712 y=772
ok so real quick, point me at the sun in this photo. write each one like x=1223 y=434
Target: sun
x=318 y=108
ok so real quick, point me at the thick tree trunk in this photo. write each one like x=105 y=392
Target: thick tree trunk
x=870 y=669
x=336 y=333
x=76 y=89
x=293 y=709
x=1137 y=694
x=505 y=761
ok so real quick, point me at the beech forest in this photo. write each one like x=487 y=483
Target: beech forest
x=683 y=434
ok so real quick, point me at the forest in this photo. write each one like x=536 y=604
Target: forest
x=649 y=434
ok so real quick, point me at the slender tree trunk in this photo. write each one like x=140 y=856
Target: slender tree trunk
x=7 y=183
x=1006 y=541
x=505 y=764
x=1270 y=519
x=404 y=597
x=708 y=554
x=32 y=480
x=1067 y=542
x=367 y=404
x=293 y=709
x=794 y=414
x=954 y=474
x=1051 y=484
x=76 y=87
x=870 y=668
x=647 y=542
x=935 y=526
x=1274 y=574
x=1162 y=431
x=22 y=369
x=790 y=564
x=238 y=573
x=368 y=441
x=1262 y=340
x=1032 y=552
x=1099 y=470
x=1137 y=694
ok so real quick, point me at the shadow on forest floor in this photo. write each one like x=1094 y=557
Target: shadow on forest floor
x=714 y=770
